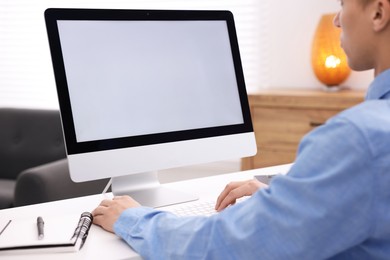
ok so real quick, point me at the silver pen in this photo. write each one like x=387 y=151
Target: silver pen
x=9 y=221
x=40 y=225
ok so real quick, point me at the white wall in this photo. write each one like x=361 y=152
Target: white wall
x=291 y=27
x=26 y=74
x=283 y=45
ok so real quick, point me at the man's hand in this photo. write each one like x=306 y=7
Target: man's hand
x=236 y=190
x=107 y=213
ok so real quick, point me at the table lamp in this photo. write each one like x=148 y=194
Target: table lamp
x=328 y=60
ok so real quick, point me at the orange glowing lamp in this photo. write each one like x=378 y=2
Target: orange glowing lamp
x=328 y=60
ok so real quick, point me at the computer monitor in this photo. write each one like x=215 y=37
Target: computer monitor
x=145 y=90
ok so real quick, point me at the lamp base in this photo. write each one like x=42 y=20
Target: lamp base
x=335 y=88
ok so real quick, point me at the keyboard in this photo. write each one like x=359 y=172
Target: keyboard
x=198 y=208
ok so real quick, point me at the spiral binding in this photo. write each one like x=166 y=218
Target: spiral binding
x=81 y=232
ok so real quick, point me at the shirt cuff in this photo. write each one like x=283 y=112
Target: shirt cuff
x=129 y=218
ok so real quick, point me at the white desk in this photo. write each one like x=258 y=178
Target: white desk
x=104 y=245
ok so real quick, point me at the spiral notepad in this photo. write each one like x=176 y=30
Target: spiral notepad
x=20 y=236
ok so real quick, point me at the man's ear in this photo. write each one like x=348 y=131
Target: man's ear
x=380 y=14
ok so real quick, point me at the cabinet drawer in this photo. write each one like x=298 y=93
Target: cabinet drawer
x=281 y=129
x=281 y=117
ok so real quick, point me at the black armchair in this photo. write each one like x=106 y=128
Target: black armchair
x=30 y=138
x=50 y=182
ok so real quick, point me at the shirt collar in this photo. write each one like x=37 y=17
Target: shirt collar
x=380 y=87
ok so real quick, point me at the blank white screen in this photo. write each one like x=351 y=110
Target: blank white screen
x=129 y=78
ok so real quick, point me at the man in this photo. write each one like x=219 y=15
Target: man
x=333 y=203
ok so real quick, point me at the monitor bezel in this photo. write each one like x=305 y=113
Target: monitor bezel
x=53 y=15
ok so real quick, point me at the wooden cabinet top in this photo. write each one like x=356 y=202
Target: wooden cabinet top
x=306 y=98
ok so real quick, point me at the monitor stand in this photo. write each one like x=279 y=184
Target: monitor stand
x=146 y=189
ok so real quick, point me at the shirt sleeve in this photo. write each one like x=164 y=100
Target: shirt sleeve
x=320 y=208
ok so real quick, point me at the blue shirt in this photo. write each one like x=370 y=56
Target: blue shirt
x=334 y=202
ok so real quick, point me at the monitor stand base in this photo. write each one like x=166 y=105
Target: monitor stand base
x=146 y=189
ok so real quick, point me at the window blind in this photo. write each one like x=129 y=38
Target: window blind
x=26 y=74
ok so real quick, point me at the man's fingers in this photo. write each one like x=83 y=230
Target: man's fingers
x=126 y=201
x=229 y=187
x=237 y=190
x=224 y=203
x=233 y=195
x=105 y=203
x=99 y=211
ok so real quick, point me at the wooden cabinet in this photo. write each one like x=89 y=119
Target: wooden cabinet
x=282 y=117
